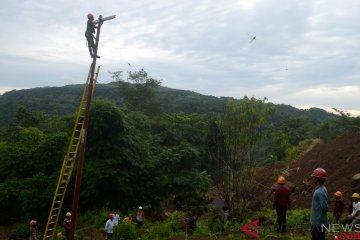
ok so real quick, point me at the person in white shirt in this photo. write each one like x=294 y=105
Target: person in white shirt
x=116 y=219
x=354 y=217
x=109 y=226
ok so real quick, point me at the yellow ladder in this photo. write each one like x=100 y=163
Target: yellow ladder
x=69 y=162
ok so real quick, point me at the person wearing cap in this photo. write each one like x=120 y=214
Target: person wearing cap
x=109 y=226
x=354 y=217
x=140 y=217
x=33 y=230
x=319 y=205
x=339 y=206
x=89 y=34
x=281 y=203
x=67 y=225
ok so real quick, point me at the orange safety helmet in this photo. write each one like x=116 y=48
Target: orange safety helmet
x=90 y=16
x=338 y=194
x=281 y=180
x=319 y=173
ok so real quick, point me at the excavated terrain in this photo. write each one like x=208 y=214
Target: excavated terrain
x=340 y=158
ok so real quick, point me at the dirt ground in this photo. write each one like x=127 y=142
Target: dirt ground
x=340 y=158
x=4 y=232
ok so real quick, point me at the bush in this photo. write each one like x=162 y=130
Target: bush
x=20 y=232
x=124 y=231
x=161 y=231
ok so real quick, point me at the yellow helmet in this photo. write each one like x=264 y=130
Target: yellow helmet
x=338 y=194
x=281 y=180
x=355 y=195
x=68 y=214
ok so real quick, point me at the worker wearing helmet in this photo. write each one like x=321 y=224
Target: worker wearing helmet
x=281 y=203
x=109 y=226
x=319 y=205
x=354 y=217
x=339 y=206
x=89 y=34
x=140 y=217
x=67 y=225
x=33 y=230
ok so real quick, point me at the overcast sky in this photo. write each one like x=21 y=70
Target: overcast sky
x=306 y=53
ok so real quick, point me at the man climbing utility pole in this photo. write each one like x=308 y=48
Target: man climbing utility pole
x=84 y=129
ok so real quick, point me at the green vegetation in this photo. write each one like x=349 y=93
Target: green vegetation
x=174 y=148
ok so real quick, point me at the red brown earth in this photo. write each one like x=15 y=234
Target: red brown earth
x=340 y=158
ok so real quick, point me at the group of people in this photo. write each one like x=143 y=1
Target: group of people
x=319 y=205
x=114 y=219
x=66 y=225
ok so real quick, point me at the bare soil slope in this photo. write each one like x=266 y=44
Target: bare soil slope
x=340 y=158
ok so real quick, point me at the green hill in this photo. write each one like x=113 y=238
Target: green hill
x=64 y=100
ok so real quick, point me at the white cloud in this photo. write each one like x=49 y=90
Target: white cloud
x=305 y=53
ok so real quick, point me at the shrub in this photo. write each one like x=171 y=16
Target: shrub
x=161 y=231
x=124 y=231
x=20 y=232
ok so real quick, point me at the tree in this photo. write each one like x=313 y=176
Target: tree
x=138 y=91
x=242 y=129
x=339 y=125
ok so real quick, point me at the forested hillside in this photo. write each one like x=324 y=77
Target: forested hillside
x=64 y=100
x=146 y=144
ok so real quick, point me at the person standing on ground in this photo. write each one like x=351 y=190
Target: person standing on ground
x=140 y=217
x=33 y=230
x=109 y=226
x=319 y=205
x=354 y=217
x=116 y=218
x=225 y=218
x=67 y=225
x=89 y=34
x=281 y=203
x=339 y=206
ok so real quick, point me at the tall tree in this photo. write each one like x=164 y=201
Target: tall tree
x=242 y=129
x=138 y=91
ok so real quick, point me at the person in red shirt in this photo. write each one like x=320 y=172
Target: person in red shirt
x=339 y=206
x=281 y=203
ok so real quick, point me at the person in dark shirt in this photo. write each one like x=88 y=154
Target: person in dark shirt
x=339 y=206
x=67 y=225
x=281 y=203
x=89 y=34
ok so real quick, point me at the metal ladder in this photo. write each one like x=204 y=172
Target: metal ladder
x=68 y=163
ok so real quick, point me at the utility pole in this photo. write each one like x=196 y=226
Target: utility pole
x=82 y=146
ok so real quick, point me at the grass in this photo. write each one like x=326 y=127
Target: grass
x=208 y=226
